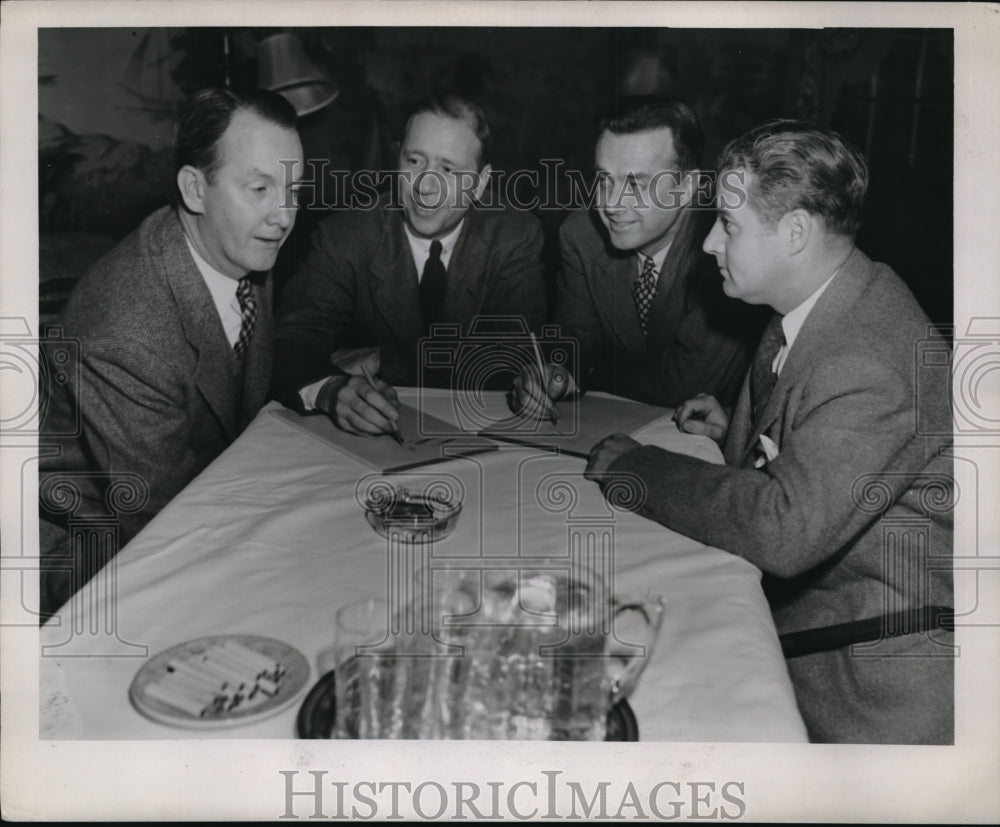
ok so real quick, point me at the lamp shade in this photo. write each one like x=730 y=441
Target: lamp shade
x=283 y=67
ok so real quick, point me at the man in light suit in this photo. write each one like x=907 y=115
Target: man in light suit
x=377 y=278
x=635 y=289
x=175 y=333
x=828 y=486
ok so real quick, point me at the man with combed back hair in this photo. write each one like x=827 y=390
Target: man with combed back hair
x=828 y=486
x=175 y=334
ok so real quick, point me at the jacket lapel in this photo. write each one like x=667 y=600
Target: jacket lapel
x=215 y=371
x=395 y=292
x=835 y=303
x=671 y=287
x=738 y=436
x=612 y=289
x=464 y=296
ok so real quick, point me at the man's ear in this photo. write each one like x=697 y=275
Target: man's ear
x=191 y=185
x=484 y=180
x=799 y=227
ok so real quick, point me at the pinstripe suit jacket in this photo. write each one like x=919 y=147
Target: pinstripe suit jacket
x=155 y=392
x=852 y=519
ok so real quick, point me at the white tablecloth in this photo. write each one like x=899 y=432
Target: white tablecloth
x=270 y=540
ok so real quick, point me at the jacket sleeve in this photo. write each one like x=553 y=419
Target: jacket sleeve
x=574 y=310
x=854 y=416
x=518 y=284
x=128 y=406
x=313 y=315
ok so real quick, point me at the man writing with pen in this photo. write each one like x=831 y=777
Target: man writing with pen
x=635 y=289
x=376 y=279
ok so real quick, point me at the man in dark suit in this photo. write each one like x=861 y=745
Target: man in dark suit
x=377 y=278
x=175 y=335
x=828 y=486
x=635 y=289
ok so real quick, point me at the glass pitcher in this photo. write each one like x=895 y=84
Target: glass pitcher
x=516 y=654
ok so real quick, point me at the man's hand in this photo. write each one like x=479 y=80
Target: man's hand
x=353 y=403
x=703 y=415
x=355 y=360
x=604 y=453
x=530 y=396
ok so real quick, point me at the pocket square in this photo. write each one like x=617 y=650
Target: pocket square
x=766 y=451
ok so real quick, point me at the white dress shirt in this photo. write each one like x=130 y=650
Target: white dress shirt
x=420 y=247
x=223 y=290
x=658 y=259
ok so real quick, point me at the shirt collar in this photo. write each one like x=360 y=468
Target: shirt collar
x=658 y=259
x=792 y=321
x=421 y=246
x=221 y=286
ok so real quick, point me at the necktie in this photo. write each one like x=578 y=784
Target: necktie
x=762 y=378
x=643 y=291
x=432 y=284
x=248 y=312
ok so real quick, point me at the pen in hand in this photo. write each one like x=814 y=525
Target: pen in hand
x=543 y=379
x=395 y=433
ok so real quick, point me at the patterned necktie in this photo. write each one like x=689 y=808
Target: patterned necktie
x=762 y=377
x=432 y=284
x=248 y=312
x=643 y=291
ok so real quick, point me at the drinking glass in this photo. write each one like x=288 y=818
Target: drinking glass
x=360 y=639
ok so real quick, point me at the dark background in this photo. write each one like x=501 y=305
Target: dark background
x=107 y=98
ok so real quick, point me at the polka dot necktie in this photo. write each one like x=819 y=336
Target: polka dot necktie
x=643 y=291
x=248 y=311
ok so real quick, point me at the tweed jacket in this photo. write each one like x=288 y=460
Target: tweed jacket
x=826 y=518
x=156 y=390
x=698 y=339
x=358 y=286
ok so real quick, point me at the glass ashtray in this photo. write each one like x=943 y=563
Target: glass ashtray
x=411 y=517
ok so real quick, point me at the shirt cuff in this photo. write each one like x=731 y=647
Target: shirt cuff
x=309 y=393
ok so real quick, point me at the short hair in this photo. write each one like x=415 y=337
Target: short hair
x=645 y=114
x=206 y=116
x=798 y=165
x=461 y=109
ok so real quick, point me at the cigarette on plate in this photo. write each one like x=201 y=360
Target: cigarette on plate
x=178 y=700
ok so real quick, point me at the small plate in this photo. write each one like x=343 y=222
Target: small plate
x=292 y=683
x=319 y=712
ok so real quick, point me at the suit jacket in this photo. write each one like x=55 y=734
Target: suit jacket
x=852 y=519
x=698 y=339
x=359 y=287
x=157 y=391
